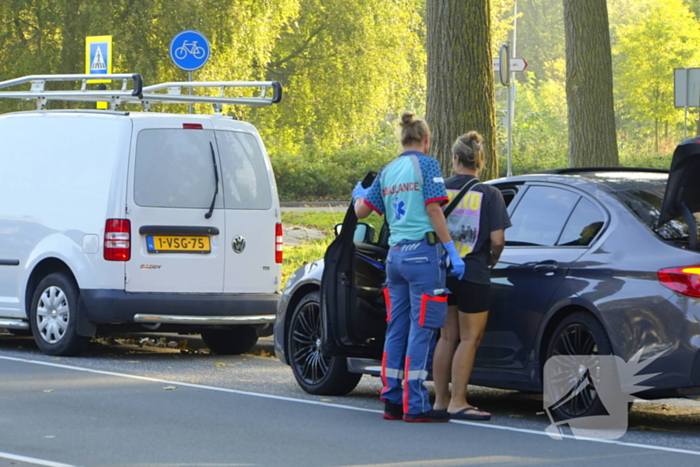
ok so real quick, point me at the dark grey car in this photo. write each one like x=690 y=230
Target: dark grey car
x=598 y=261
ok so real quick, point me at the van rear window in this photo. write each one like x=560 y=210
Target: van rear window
x=174 y=169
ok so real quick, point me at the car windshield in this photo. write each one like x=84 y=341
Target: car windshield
x=644 y=200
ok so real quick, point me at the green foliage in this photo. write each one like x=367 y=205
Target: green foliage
x=645 y=84
x=295 y=256
x=325 y=175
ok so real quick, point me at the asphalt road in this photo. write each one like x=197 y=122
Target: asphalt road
x=124 y=405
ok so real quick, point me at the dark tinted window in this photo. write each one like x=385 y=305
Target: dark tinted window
x=645 y=202
x=540 y=216
x=583 y=225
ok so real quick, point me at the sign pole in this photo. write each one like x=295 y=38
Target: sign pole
x=685 y=118
x=189 y=78
x=506 y=76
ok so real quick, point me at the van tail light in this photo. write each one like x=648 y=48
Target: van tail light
x=279 y=242
x=118 y=240
x=682 y=280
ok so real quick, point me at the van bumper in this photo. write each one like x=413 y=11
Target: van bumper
x=119 y=307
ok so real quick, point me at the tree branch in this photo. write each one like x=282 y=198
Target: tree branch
x=301 y=49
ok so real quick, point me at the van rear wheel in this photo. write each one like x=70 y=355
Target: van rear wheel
x=234 y=341
x=53 y=316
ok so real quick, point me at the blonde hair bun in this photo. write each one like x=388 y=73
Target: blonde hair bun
x=407 y=118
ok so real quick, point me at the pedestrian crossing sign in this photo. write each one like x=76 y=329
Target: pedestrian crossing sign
x=98 y=57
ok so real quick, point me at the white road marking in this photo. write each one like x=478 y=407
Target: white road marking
x=32 y=460
x=337 y=406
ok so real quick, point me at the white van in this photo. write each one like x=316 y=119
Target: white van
x=136 y=221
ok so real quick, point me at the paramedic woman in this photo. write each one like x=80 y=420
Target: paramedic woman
x=410 y=191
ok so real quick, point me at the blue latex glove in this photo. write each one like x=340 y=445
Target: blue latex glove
x=359 y=191
x=456 y=261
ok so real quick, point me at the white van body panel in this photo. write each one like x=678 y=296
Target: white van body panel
x=62 y=176
x=254 y=269
x=174 y=272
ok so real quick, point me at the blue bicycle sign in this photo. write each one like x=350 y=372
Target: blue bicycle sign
x=189 y=50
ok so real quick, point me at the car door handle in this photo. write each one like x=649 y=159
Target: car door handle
x=548 y=267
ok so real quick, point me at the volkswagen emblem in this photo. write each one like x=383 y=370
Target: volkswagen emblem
x=238 y=244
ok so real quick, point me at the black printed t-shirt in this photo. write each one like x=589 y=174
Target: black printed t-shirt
x=478 y=213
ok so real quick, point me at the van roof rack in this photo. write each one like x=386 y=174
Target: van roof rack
x=42 y=96
x=174 y=94
x=270 y=91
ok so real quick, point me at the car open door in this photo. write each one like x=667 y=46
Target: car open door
x=682 y=197
x=353 y=314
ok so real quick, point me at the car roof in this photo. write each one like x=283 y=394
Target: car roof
x=615 y=179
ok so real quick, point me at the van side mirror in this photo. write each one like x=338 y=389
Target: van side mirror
x=364 y=233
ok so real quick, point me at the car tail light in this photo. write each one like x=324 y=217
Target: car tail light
x=278 y=243
x=118 y=240
x=192 y=126
x=683 y=280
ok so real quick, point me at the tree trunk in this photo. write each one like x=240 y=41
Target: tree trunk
x=460 y=78
x=589 y=85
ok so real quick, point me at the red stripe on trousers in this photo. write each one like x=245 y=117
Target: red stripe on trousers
x=405 y=384
x=386 y=383
x=387 y=300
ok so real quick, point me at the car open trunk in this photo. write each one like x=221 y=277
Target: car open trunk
x=682 y=196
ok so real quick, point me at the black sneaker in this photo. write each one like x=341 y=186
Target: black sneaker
x=392 y=411
x=432 y=416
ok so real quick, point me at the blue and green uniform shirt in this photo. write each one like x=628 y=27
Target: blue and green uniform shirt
x=401 y=191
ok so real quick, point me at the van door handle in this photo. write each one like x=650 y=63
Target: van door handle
x=548 y=267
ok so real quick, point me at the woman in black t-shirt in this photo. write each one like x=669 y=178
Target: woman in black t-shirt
x=477 y=226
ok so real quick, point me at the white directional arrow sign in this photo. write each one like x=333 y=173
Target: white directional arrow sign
x=516 y=64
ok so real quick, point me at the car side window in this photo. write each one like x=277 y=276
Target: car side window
x=583 y=225
x=540 y=216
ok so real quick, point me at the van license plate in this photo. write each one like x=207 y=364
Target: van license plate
x=177 y=244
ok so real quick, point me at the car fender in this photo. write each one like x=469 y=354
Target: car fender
x=63 y=248
x=557 y=312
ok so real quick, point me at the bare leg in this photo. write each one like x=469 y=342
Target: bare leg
x=442 y=360
x=471 y=330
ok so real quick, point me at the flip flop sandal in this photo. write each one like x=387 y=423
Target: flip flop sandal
x=469 y=413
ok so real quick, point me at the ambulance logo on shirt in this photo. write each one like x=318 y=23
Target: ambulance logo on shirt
x=399 y=207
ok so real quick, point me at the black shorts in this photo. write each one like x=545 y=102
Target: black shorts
x=469 y=296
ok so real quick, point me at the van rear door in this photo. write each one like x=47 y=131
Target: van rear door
x=251 y=211
x=173 y=177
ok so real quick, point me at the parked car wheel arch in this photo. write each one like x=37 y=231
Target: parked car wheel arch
x=44 y=268
x=553 y=319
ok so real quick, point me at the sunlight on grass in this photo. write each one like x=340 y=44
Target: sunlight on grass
x=296 y=256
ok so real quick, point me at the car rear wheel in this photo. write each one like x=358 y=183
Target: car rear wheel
x=579 y=334
x=53 y=316
x=315 y=372
x=236 y=341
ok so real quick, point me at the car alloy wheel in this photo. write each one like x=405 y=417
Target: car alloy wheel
x=315 y=372
x=305 y=345
x=579 y=334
